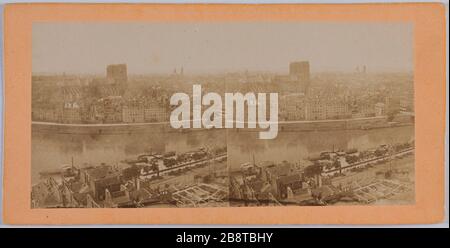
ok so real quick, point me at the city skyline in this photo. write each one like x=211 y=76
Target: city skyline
x=199 y=47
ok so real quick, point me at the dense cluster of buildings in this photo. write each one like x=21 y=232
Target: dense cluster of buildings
x=101 y=186
x=308 y=182
x=97 y=100
x=301 y=106
x=108 y=186
x=269 y=182
x=348 y=97
x=69 y=99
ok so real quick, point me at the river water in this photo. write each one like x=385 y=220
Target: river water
x=51 y=151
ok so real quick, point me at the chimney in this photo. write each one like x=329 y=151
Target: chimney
x=138 y=184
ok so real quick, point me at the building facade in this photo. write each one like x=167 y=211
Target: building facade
x=154 y=112
x=133 y=112
x=293 y=107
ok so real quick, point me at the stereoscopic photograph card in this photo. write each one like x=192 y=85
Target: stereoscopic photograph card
x=224 y=114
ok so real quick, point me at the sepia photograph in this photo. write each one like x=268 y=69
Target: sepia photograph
x=222 y=114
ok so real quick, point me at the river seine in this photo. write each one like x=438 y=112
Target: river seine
x=50 y=151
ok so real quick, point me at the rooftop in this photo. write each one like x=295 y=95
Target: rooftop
x=290 y=179
x=99 y=172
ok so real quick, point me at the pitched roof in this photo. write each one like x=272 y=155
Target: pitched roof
x=290 y=179
x=99 y=172
x=280 y=169
x=51 y=200
x=76 y=186
x=140 y=193
x=81 y=198
x=109 y=180
x=324 y=190
x=119 y=197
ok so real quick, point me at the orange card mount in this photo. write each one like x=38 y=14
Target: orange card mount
x=224 y=114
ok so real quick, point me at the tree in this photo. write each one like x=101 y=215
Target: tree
x=131 y=172
x=313 y=170
x=337 y=165
x=155 y=167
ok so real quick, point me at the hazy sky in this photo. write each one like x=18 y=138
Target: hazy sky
x=219 y=47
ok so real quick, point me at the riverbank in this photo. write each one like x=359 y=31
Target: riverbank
x=283 y=126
